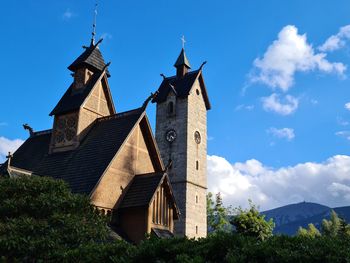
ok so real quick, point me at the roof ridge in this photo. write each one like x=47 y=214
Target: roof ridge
x=43 y=132
x=188 y=73
x=118 y=115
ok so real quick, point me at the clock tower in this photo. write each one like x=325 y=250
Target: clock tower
x=181 y=134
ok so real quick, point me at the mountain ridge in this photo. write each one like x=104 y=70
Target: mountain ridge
x=290 y=217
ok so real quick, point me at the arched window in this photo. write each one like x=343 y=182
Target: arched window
x=171 y=108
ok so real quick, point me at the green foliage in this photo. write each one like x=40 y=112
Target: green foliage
x=40 y=218
x=250 y=222
x=331 y=227
x=310 y=232
x=41 y=221
x=217 y=214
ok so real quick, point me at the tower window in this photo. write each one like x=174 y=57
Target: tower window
x=196 y=199
x=197 y=165
x=171 y=110
x=197 y=91
x=196 y=230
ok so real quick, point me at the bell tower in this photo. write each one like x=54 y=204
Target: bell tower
x=181 y=134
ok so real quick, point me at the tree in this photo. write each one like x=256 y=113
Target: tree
x=311 y=231
x=40 y=218
x=331 y=227
x=217 y=214
x=250 y=222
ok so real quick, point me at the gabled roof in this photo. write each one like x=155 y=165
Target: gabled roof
x=162 y=233
x=182 y=60
x=91 y=58
x=142 y=189
x=182 y=87
x=82 y=167
x=73 y=100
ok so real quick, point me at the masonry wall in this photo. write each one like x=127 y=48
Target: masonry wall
x=196 y=214
x=188 y=183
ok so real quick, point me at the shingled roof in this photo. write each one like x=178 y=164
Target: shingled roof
x=182 y=86
x=91 y=58
x=142 y=189
x=72 y=100
x=80 y=168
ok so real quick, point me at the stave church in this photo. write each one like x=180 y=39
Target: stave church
x=153 y=185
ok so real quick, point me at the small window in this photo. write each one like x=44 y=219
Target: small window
x=171 y=108
x=197 y=165
x=197 y=91
x=196 y=230
x=196 y=199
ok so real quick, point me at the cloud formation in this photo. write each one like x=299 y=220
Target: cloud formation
x=7 y=145
x=244 y=107
x=347 y=106
x=337 y=41
x=285 y=106
x=289 y=54
x=67 y=15
x=326 y=182
x=344 y=134
x=284 y=133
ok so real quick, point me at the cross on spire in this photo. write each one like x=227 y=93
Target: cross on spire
x=94 y=25
x=183 y=41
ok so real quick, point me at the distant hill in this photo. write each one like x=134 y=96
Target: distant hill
x=290 y=217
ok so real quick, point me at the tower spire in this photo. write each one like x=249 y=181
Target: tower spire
x=182 y=64
x=94 y=25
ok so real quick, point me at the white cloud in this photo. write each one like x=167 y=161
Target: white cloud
x=286 y=106
x=342 y=122
x=314 y=102
x=7 y=145
x=67 y=15
x=344 y=134
x=337 y=41
x=284 y=133
x=244 y=107
x=347 y=106
x=327 y=182
x=289 y=54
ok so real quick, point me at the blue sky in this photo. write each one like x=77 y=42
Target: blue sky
x=278 y=89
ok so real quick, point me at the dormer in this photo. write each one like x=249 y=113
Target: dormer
x=87 y=99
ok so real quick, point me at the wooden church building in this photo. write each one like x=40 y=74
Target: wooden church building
x=114 y=158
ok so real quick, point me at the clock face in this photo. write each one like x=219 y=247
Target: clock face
x=197 y=137
x=170 y=136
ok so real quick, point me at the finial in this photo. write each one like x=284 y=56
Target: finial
x=150 y=97
x=183 y=41
x=94 y=26
x=30 y=129
x=169 y=165
x=164 y=77
x=200 y=68
x=9 y=157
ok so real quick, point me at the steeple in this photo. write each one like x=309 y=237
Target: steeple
x=182 y=64
x=93 y=34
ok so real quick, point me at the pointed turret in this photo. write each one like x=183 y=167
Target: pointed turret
x=182 y=64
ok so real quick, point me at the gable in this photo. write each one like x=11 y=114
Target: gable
x=99 y=100
x=138 y=155
x=182 y=87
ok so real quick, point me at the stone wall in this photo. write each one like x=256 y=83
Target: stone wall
x=189 y=184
